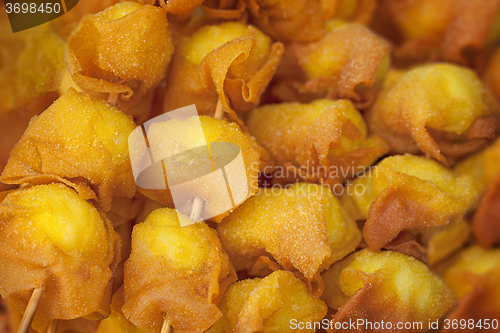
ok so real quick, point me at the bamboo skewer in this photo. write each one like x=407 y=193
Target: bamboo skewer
x=219 y=110
x=166 y=328
x=30 y=310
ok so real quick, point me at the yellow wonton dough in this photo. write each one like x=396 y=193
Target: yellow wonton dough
x=50 y=236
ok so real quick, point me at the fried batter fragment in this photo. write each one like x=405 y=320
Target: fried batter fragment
x=458 y=31
x=182 y=272
x=306 y=21
x=81 y=142
x=474 y=276
x=270 y=304
x=484 y=167
x=50 y=236
x=123 y=51
x=388 y=286
x=349 y=61
x=224 y=9
x=183 y=132
x=326 y=138
x=275 y=221
x=231 y=61
x=406 y=192
x=441 y=110
x=31 y=65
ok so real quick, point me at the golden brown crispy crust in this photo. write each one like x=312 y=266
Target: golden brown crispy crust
x=72 y=287
x=44 y=154
x=189 y=299
x=486 y=221
x=108 y=56
x=359 y=69
x=404 y=204
x=203 y=85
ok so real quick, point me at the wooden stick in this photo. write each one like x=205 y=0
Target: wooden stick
x=166 y=328
x=113 y=99
x=30 y=310
x=54 y=324
x=219 y=110
x=195 y=215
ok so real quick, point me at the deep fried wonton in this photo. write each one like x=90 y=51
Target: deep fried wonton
x=411 y=193
x=326 y=138
x=273 y=304
x=442 y=110
x=183 y=132
x=306 y=21
x=458 y=31
x=484 y=167
x=81 y=142
x=31 y=65
x=123 y=51
x=231 y=61
x=385 y=287
x=349 y=61
x=474 y=276
x=274 y=221
x=181 y=272
x=53 y=238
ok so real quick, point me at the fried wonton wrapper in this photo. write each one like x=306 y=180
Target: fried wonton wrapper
x=231 y=61
x=65 y=24
x=327 y=138
x=81 y=142
x=441 y=110
x=474 y=276
x=484 y=167
x=53 y=238
x=388 y=286
x=271 y=304
x=224 y=9
x=215 y=130
x=491 y=75
x=406 y=192
x=275 y=220
x=349 y=61
x=123 y=51
x=179 y=271
x=306 y=21
x=31 y=65
x=456 y=31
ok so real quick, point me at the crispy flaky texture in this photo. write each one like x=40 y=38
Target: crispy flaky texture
x=53 y=238
x=268 y=305
x=441 y=110
x=123 y=50
x=215 y=130
x=457 y=31
x=323 y=141
x=484 y=168
x=65 y=24
x=306 y=21
x=81 y=142
x=411 y=193
x=388 y=286
x=32 y=65
x=272 y=223
x=231 y=61
x=349 y=61
x=474 y=276
x=224 y=9
x=181 y=272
